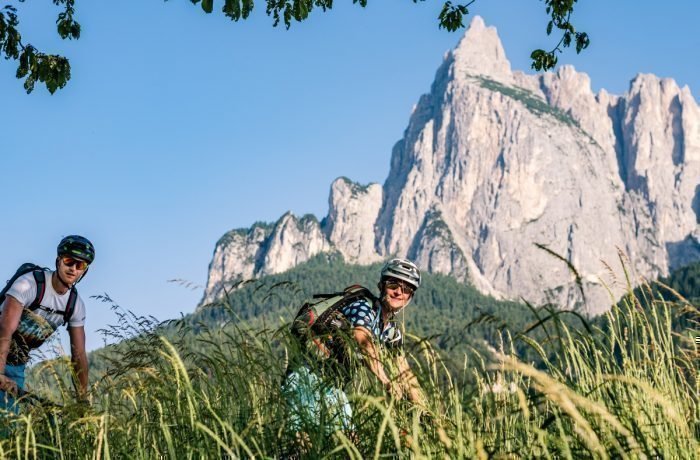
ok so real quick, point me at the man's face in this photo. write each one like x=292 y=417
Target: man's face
x=396 y=294
x=71 y=269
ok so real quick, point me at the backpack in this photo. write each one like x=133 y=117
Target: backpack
x=321 y=318
x=323 y=312
x=40 y=278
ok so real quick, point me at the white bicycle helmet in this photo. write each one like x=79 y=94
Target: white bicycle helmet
x=402 y=269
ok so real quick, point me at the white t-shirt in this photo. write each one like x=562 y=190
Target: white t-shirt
x=36 y=326
x=24 y=290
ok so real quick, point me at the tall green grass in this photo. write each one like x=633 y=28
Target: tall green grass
x=623 y=387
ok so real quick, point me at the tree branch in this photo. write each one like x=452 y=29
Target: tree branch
x=54 y=70
x=50 y=69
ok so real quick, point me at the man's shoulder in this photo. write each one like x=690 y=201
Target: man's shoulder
x=29 y=276
x=23 y=289
x=23 y=282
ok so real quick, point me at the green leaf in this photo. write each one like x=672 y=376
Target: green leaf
x=451 y=17
x=543 y=60
x=208 y=6
x=247 y=8
x=232 y=9
x=29 y=84
x=566 y=40
x=582 y=41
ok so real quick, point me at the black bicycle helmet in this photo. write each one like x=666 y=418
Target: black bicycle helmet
x=402 y=269
x=77 y=246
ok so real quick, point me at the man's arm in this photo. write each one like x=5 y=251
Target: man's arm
x=9 y=319
x=79 y=359
x=369 y=351
x=409 y=380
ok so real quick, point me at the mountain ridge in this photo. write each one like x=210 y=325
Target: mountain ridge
x=494 y=163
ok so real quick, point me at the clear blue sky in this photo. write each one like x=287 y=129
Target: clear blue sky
x=178 y=126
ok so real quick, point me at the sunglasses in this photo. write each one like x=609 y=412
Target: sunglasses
x=405 y=288
x=79 y=264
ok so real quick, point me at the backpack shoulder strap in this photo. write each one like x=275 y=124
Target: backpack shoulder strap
x=328 y=296
x=40 y=278
x=356 y=291
x=70 y=306
x=343 y=299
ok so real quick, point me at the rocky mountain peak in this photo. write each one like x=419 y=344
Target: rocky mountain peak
x=502 y=178
x=480 y=52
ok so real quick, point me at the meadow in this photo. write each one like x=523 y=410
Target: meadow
x=622 y=386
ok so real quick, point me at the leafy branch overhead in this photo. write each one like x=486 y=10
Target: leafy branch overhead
x=560 y=13
x=53 y=70
x=50 y=69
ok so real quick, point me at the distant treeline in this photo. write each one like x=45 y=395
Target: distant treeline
x=453 y=316
x=685 y=281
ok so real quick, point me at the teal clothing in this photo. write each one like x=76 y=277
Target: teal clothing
x=7 y=401
x=313 y=403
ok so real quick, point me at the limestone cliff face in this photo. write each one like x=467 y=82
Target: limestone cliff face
x=499 y=170
x=659 y=153
x=235 y=258
x=263 y=250
x=353 y=211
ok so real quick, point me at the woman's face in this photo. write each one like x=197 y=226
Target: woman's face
x=396 y=294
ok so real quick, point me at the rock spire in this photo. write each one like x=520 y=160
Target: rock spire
x=497 y=172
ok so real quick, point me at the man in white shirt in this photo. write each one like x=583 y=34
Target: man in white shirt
x=35 y=305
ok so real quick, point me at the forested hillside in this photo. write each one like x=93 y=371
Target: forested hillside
x=453 y=316
x=685 y=281
x=442 y=306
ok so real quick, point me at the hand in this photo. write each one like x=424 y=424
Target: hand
x=8 y=385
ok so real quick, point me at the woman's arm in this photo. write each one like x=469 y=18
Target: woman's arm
x=364 y=339
x=409 y=380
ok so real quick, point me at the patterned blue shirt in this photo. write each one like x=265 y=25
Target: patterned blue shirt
x=362 y=314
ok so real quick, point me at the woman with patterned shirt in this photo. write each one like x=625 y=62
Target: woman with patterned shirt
x=371 y=325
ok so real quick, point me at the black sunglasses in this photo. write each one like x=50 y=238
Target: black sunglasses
x=395 y=284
